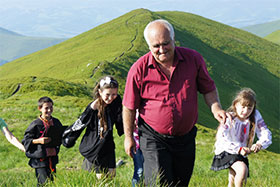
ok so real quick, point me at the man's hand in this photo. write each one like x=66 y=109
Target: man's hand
x=42 y=140
x=221 y=115
x=129 y=146
x=129 y=124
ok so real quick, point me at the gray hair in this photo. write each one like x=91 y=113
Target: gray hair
x=166 y=24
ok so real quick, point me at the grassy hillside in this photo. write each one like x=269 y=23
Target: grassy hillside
x=67 y=73
x=235 y=59
x=13 y=45
x=19 y=110
x=274 y=37
x=264 y=166
x=263 y=29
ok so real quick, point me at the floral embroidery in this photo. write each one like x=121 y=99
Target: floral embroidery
x=261 y=124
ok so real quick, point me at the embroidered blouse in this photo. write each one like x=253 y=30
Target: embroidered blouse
x=230 y=137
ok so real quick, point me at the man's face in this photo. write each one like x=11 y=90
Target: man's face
x=161 y=45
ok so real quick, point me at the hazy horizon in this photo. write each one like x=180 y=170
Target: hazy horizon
x=67 y=18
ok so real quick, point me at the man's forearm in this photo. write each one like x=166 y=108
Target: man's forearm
x=212 y=100
x=128 y=121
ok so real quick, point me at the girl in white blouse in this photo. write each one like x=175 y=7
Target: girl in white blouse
x=234 y=139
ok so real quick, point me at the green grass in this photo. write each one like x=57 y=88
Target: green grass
x=264 y=166
x=18 y=113
x=274 y=37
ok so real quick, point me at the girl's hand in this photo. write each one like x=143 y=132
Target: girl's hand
x=256 y=148
x=22 y=149
x=94 y=104
x=245 y=151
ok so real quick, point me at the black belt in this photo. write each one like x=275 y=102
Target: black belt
x=145 y=130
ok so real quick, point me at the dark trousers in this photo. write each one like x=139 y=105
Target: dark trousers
x=169 y=158
x=42 y=174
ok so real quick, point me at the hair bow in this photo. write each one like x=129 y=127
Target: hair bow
x=107 y=80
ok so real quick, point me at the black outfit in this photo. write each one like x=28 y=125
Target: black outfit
x=174 y=155
x=44 y=166
x=224 y=160
x=98 y=152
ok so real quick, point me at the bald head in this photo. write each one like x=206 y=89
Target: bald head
x=157 y=26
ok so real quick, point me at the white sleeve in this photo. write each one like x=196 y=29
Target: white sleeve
x=225 y=141
x=263 y=133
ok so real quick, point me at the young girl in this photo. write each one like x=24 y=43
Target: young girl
x=234 y=139
x=9 y=135
x=97 y=145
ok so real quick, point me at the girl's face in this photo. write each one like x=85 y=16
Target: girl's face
x=243 y=112
x=108 y=94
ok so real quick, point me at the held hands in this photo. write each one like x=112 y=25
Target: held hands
x=256 y=148
x=22 y=149
x=42 y=140
x=244 y=151
x=221 y=116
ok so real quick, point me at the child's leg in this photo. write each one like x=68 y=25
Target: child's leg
x=241 y=172
x=111 y=172
x=99 y=175
x=42 y=175
x=231 y=176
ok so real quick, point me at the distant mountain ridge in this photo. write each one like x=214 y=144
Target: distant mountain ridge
x=8 y=32
x=274 y=37
x=2 y=61
x=263 y=29
x=14 y=45
x=234 y=58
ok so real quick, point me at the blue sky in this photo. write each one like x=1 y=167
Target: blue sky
x=67 y=18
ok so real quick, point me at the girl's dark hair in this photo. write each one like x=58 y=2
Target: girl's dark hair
x=247 y=97
x=43 y=100
x=104 y=83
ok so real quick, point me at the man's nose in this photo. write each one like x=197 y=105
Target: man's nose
x=161 y=48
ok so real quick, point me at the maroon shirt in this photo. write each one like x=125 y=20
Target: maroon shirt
x=168 y=106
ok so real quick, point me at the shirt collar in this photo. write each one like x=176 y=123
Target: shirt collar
x=45 y=120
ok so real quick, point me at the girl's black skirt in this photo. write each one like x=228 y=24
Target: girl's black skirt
x=225 y=160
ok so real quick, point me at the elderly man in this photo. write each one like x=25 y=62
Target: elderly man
x=163 y=85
